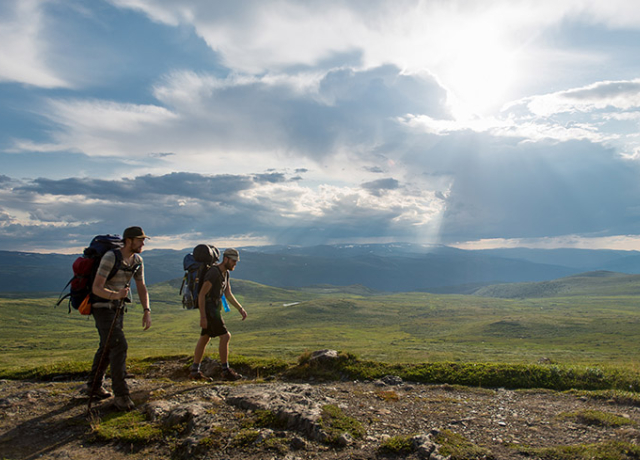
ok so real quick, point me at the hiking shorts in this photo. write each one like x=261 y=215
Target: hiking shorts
x=215 y=323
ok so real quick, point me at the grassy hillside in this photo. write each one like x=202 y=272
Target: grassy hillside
x=598 y=283
x=408 y=327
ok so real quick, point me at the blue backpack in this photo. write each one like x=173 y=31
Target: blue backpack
x=195 y=267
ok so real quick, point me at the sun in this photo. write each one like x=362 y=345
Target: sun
x=479 y=71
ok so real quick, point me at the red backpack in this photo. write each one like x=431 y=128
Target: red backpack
x=85 y=268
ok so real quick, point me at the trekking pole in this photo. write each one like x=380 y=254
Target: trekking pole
x=106 y=344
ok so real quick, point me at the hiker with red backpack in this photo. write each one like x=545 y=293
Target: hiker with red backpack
x=110 y=293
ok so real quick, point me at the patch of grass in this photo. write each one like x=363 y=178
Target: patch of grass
x=621 y=397
x=131 y=427
x=387 y=395
x=334 y=422
x=326 y=370
x=70 y=369
x=264 y=419
x=398 y=445
x=597 y=418
x=216 y=438
x=609 y=383
x=280 y=445
x=259 y=367
x=466 y=389
x=487 y=375
x=304 y=358
x=460 y=448
x=611 y=450
x=245 y=437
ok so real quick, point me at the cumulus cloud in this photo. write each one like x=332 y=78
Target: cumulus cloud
x=621 y=95
x=604 y=112
x=256 y=36
x=312 y=113
x=206 y=121
x=5 y=218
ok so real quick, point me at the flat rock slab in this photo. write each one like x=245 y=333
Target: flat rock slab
x=299 y=406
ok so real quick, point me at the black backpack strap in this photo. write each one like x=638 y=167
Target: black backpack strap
x=61 y=297
x=202 y=271
x=117 y=264
x=68 y=295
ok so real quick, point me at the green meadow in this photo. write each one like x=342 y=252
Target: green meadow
x=586 y=330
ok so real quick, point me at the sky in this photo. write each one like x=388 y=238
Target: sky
x=475 y=124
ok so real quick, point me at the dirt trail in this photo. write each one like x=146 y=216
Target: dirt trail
x=47 y=420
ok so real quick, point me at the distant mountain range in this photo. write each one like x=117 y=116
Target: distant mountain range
x=382 y=267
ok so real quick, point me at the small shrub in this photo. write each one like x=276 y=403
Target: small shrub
x=217 y=438
x=245 y=437
x=259 y=367
x=211 y=442
x=304 y=358
x=335 y=422
x=460 y=448
x=387 y=395
x=398 y=445
x=130 y=427
x=280 y=445
x=264 y=419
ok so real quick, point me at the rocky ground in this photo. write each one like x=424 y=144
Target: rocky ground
x=177 y=418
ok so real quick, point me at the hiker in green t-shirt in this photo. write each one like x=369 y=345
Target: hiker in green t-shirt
x=214 y=290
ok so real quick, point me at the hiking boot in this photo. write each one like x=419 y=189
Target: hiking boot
x=100 y=393
x=124 y=403
x=230 y=374
x=198 y=375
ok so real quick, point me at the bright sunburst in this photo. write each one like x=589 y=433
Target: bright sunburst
x=479 y=71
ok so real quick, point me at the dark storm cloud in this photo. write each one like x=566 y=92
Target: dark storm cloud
x=180 y=184
x=376 y=187
x=171 y=204
x=516 y=190
x=272 y=178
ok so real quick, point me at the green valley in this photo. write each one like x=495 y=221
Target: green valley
x=581 y=328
